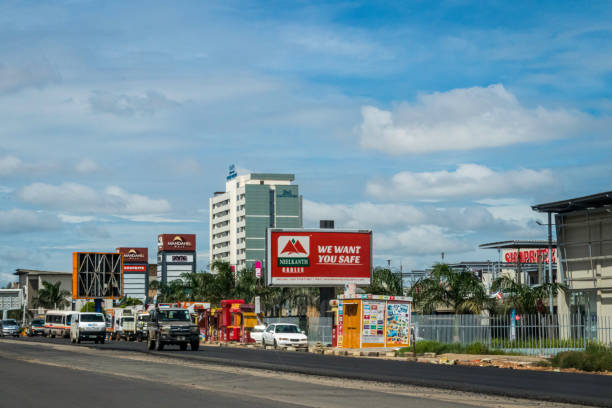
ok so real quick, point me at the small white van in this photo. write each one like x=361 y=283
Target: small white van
x=88 y=326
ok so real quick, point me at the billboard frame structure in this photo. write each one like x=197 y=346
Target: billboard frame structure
x=269 y=280
x=92 y=272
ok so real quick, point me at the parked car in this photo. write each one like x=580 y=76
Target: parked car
x=284 y=335
x=88 y=326
x=36 y=327
x=9 y=328
x=257 y=332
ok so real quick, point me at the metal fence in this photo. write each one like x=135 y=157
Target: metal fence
x=320 y=330
x=526 y=334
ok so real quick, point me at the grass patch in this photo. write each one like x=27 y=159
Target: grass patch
x=427 y=346
x=594 y=358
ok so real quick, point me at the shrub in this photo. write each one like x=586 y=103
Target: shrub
x=594 y=358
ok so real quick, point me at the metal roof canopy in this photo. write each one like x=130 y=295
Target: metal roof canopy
x=517 y=244
x=575 y=204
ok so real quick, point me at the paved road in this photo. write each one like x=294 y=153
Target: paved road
x=548 y=386
x=58 y=375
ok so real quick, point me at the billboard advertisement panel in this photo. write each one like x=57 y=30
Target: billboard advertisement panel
x=97 y=275
x=176 y=242
x=134 y=255
x=301 y=257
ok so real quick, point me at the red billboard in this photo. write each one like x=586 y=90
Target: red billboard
x=299 y=257
x=134 y=255
x=176 y=242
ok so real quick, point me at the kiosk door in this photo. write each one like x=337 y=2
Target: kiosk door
x=352 y=326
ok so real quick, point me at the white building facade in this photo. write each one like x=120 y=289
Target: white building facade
x=240 y=216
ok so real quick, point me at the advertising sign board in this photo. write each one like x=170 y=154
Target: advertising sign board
x=134 y=255
x=176 y=242
x=97 y=275
x=321 y=257
x=10 y=299
x=529 y=255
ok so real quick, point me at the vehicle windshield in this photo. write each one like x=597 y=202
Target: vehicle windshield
x=128 y=319
x=257 y=330
x=38 y=322
x=287 y=328
x=173 y=316
x=9 y=322
x=92 y=318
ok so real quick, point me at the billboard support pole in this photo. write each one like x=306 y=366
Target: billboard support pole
x=325 y=294
x=98 y=305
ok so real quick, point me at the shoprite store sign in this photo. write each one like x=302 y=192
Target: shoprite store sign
x=318 y=258
x=529 y=256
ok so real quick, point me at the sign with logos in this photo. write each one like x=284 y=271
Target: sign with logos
x=134 y=255
x=176 y=242
x=529 y=255
x=373 y=325
x=300 y=257
x=134 y=268
x=179 y=258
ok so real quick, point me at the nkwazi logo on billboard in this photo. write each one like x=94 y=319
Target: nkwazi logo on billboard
x=293 y=250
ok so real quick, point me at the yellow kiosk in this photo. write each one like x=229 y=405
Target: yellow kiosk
x=373 y=321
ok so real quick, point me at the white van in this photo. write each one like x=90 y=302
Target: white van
x=57 y=323
x=88 y=326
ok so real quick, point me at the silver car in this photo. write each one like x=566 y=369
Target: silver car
x=9 y=328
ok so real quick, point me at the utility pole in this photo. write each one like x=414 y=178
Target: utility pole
x=550 y=296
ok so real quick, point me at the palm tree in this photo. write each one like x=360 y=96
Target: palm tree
x=385 y=282
x=50 y=296
x=524 y=298
x=460 y=291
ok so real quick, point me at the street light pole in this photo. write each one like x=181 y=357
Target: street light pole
x=550 y=296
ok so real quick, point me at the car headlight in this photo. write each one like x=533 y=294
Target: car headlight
x=283 y=339
x=194 y=329
x=165 y=329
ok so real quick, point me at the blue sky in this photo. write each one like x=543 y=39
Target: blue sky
x=435 y=124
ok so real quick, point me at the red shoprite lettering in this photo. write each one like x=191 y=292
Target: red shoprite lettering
x=530 y=256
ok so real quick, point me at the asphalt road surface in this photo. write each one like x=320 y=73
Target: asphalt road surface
x=225 y=376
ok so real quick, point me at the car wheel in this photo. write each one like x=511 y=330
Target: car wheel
x=195 y=345
x=150 y=344
x=102 y=340
x=96 y=341
x=275 y=345
x=160 y=345
x=183 y=346
x=78 y=340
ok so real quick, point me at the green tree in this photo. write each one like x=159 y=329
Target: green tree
x=522 y=297
x=460 y=291
x=51 y=296
x=90 y=307
x=385 y=282
x=129 y=301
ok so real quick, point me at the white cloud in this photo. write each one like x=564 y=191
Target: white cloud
x=157 y=219
x=75 y=219
x=464 y=119
x=419 y=240
x=80 y=198
x=128 y=105
x=14 y=78
x=362 y=215
x=17 y=221
x=9 y=165
x=86 y=166
x=468 y=180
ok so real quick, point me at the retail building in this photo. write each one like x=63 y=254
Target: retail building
x=584 y=246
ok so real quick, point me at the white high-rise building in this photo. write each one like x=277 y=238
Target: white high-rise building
x=240 y=216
